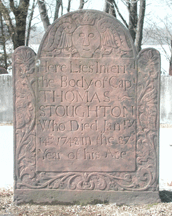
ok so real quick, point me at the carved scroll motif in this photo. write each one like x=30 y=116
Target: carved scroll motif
x=144 y=177
x=148 y=112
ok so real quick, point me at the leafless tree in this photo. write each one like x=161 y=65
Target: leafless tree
x=42 y=4
x=30 y=22
x=109 y=7
x=140 y=22
x=81 y=4
x=136 y=9
x=136 y=17
x=59 y=4
x=43 y=13
x=3 y=57
x=16 y=27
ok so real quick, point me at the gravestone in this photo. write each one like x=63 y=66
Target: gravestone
x=3 y=70
x=86 y=115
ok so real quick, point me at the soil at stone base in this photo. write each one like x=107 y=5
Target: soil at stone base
x=8 y=208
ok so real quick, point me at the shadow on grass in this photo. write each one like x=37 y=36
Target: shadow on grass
x=165 y=196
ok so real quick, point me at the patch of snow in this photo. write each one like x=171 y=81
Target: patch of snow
x=6 y=156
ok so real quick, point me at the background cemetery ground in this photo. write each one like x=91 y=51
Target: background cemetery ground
x=7 y=207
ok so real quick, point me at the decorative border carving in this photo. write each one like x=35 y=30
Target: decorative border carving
x=144 y=178
x=24 y=116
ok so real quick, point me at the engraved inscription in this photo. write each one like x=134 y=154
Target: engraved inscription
x=86 y=109
x=86 y=114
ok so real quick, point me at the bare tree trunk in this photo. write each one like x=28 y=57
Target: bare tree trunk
x=117 y=9
x=109 y=7
x=112 y=10
x=43 y=13
x=81 y=5
x=7 y=18
x=106 y=7
x=29 y=25
x=3 y=41
x=69 y=5
x=132 y=19
x=59 y=4
x=20 y=13
x=16 y=31
x=139 y=33
x=170 y=68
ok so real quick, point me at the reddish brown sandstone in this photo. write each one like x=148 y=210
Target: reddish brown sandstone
x=86 y=116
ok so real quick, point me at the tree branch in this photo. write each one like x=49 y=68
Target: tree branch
x=23 y=3
x=81 y=5
x=43 y=13
x=22 y=8
x=133 y=19
x=120 y=14
x=59 y=4
x=69 y=5
x=106 y=7
x=139 y=33
x=7 y=18
x=30 y=22
x=109 y=7
x=3 y=41
x=13 y=8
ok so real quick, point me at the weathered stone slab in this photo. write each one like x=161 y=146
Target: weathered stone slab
x=86 y=115
x=3 y=70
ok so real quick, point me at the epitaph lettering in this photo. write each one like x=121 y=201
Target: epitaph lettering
x=86 y=116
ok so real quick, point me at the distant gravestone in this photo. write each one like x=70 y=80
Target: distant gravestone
x=3 y=70
x=86 y=115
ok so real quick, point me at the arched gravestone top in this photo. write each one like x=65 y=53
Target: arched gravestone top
x=87 y=34
x=86 y=114
x=3 y=70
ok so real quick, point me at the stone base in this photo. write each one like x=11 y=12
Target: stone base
x=84 y=197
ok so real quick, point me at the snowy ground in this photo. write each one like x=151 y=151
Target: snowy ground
x=6 y=157
x=165 y=160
